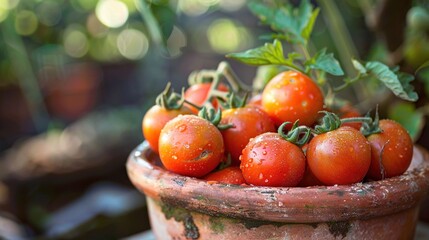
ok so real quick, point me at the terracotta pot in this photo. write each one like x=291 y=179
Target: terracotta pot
x=188 y=208
x=74 y=93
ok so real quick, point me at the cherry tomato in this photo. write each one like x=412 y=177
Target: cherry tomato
x=255 y=100
x=155 y=119
x=309 y=179
x=248 y=122
x=190 y=146
x=392 y=150
x=269 y=160
x=348 y=111
x=197 y=94
x=341 y=156
x=230 y=175
x=292 y=96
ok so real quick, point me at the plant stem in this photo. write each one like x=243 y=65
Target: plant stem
x=152 y=24
x=236 y=84
x=343 y=40
x=24 y=72
x=356 y=119
x=347 y=82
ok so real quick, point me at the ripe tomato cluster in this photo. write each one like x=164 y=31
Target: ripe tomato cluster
x=283 y=137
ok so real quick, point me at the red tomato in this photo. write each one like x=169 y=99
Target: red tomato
x=248 y=122
x=348 y=111
x=190 y=146
x=341 y=156
x=255 y=100
x=392 y=150
x=197 y=94
x=230 y=175
x=155 y=119
x=309 y=179
x=269 y=160
x=292 y=96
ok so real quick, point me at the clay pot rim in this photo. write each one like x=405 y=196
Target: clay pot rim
x=278 y=204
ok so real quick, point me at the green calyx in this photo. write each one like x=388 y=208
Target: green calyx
x=170 y=100
x=233 y=100
x=372 y=126
x=330 y=121
x=213 y=116
x=298 y=135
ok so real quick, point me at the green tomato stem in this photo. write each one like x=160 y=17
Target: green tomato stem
x=356 y=119
x=236 y=84
x=347 y=83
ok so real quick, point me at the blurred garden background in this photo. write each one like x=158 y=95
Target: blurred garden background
x=76 y=77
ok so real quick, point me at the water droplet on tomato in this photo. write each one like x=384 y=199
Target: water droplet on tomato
x=264 y=153
x=174 y=157
x=261 y=176
x=182 y=128
x=304 y=103
x=250 y=160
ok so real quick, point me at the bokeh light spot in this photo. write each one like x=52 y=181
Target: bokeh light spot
x=105 y=49
x=4 y=10
x=231 y=6
x=95 y=27
x=193 y=7
x=75 y=42
x=112 y=13
x=49 y=12
x=26 y=22
x=225 y=36
x=132 y=44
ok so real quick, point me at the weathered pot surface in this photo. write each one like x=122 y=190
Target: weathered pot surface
x=189 y=208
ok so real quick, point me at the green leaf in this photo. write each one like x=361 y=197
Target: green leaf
x=398 y=83
x=325 y=62
x=358 y=66
x=295 y=23
x=166 y=18
x=270 y=53
x=308 y=29
x=406 y=114
x=424 y=65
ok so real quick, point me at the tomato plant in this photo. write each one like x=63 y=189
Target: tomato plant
x=391 y=150
x=230 y=175
x=190 y=145
x=270 y=159
x=247 y=122
x=292 y=96
x=340 y=156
